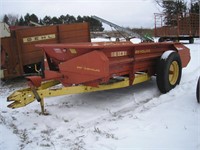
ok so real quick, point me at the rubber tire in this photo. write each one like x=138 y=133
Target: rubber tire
x=162 y=72
x=161 y=39
x=191 y=40
x=198 y=91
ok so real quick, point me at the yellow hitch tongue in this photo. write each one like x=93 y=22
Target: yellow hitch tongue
x=21 y=98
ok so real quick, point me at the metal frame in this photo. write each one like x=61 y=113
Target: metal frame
x=21 y=98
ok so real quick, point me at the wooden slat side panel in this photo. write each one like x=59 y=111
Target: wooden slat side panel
x=27 y=38
x=36 y=56
x=66 y=33
x=35 y=31
x=71 y=27
x=74 y=33
x=12 y=58
x=27 y=48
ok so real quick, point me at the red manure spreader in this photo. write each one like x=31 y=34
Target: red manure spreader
x=97 y=66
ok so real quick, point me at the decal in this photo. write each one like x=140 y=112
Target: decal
x=73 y=50
x=88 y=69
x=142 y=51
x=39 y=38
x=119 y=53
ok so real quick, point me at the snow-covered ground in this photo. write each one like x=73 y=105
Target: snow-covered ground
x=133 y=118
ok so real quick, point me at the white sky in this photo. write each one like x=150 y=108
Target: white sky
x=127 y=13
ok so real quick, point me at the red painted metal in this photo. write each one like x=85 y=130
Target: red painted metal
x=95 y=63
x=184 y=53
x=85 y=68
x=34 y=81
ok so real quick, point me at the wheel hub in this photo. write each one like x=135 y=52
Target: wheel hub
x=173 y=72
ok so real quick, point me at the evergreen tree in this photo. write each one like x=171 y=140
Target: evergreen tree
x=6 y=19
x=47 y=20
x=95 y=25
x=71 y=19
x=55 y=20
x=79 y=19
x=62 y=19
x=21 y=21
x=27 y=19
x=34 y=18
x=17 y=22
x=195 y=7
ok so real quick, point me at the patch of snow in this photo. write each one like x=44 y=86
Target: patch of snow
x=112 y=39
x=136 y=41
x=166 y=54
x=8 y=140
x=101 y=39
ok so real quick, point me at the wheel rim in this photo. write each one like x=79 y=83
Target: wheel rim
x=173 y=73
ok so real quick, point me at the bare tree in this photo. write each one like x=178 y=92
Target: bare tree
x=159 y=2
x=12 y=19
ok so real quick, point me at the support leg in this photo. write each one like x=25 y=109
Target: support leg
x=39 y=99
x=43 y=112
x=42 y=106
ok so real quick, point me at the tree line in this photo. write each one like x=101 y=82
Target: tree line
x=172 y=8
x=10 y=19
